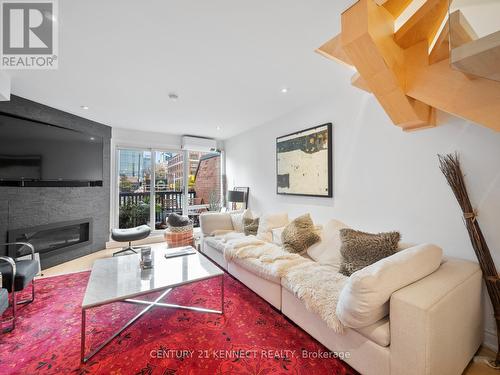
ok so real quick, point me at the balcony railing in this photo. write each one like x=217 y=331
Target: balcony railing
x=134 y=207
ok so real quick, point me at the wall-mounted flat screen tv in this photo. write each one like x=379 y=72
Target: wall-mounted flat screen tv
x=35 y=151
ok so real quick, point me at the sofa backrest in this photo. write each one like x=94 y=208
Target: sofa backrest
x=211 y=221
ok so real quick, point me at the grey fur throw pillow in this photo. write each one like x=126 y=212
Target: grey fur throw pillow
x=360 y=249
x=299 y=235
x=250 y=226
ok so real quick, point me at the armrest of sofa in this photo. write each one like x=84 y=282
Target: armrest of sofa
x=437 y=322
x=212 y=221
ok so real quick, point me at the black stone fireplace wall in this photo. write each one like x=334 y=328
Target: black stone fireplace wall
x=23 y=207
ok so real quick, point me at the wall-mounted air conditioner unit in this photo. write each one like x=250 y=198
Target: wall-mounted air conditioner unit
x=199 y=144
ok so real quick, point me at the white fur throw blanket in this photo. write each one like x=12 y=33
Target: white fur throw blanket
x=275 y=261
x=319 y=287
x=233 y=243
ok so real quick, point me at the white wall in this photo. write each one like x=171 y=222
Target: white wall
x=384 y=178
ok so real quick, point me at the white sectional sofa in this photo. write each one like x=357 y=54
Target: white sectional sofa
x=434 y=325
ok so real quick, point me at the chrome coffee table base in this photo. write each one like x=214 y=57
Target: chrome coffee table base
x=149 y=305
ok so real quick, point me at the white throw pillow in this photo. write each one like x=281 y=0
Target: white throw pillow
x=327 y=251
x=364 y=299
x=237 y=218
x=268 y=222
x=277 y=232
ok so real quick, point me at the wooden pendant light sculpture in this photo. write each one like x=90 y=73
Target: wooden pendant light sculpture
x=408 y=70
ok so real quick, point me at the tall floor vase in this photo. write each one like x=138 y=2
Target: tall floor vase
x=450 y=166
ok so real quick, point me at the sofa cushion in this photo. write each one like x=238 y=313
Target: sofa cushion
x=318 y=287
x=215 y=242
x=364 y=299
x=268 y=222
x=360 y=249
x=327 y=251
x=222 y=232
x=379 y=332
x=210 y=221
x=299 y=234
x=258 y=268
x=220 y=242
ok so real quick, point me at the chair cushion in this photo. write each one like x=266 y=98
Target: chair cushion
x=130 y=234
x=26 y=271
x=4 y=300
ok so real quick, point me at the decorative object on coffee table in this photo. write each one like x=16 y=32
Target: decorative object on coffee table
x=146 y=258
x=304 y=162
x=450 y=166
x=179 y=231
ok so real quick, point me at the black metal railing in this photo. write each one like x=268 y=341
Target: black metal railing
x=134 y=207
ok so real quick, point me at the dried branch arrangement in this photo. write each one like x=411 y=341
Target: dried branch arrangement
x=450 y=166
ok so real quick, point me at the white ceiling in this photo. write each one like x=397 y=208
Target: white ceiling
x=226 y=59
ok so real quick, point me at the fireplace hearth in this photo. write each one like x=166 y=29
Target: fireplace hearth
x=53 y=239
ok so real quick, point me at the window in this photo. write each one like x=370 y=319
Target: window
x=153 y=184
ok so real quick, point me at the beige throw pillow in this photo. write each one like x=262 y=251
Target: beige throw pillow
x=268 y=222
x=250 y=226
x=299 y=235
x=360 y=249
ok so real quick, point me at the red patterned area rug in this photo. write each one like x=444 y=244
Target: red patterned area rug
x=251 y=338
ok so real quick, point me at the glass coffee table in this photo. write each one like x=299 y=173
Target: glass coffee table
x=121 y=279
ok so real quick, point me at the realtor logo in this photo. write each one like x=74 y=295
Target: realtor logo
x=29 y=34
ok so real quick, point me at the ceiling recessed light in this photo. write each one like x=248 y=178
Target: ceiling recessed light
x=92 y=138
x=84 y=107
x=284 y=90
x=218 y=127
x=173 y=96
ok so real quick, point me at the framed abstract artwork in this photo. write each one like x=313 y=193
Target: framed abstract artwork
x=304 y=162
